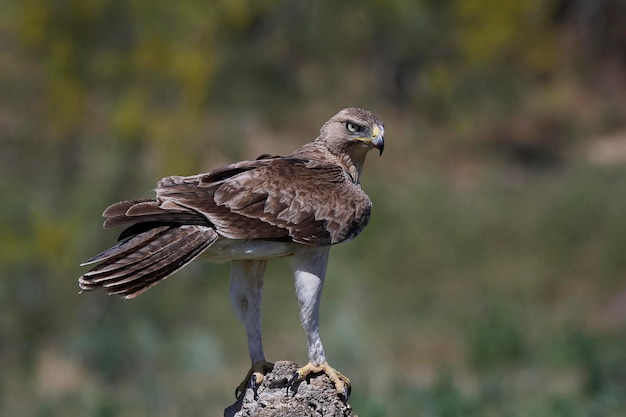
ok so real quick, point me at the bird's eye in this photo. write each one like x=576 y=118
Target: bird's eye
x=353 y=127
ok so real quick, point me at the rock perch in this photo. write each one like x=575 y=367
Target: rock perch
x=313 y=397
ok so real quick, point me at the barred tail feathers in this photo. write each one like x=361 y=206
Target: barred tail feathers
x=158 y=242
x=137 y=264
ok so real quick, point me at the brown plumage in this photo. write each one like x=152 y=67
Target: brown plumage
x=311 y=197
x=251 y=210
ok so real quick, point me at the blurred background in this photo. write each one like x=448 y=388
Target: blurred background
x=491 y=280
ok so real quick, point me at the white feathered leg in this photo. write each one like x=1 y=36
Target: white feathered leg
x=310 y=269
x=246 y=284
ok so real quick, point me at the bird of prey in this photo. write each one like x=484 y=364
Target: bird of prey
x=246 y=213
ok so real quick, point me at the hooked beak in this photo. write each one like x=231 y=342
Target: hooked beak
x=379 y=143
x=378 y=139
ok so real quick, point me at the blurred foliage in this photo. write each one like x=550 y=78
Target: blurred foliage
x=490 y=281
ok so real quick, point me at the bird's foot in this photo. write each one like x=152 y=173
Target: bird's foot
x=341 y=382
x=254 y=377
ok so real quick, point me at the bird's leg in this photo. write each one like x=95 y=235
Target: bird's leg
x=310 y=270
x=246 y=282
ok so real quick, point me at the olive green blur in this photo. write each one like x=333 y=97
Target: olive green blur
x=491 y=280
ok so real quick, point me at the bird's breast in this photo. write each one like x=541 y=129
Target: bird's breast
x=225 y=250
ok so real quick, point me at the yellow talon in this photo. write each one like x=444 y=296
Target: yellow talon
x=341 y=382
x=258 y=370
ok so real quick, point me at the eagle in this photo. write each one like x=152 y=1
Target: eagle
x=246 y=213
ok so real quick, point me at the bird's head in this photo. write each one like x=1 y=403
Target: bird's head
x=355 y=131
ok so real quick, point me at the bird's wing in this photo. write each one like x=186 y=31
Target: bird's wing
x=136 y=264
x=283 y=198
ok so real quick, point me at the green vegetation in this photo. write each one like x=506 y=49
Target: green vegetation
x=490 y=281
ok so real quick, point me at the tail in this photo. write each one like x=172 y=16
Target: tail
x=158 y=242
